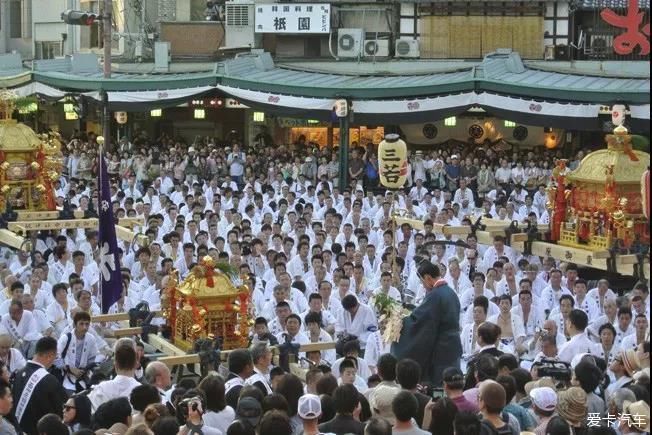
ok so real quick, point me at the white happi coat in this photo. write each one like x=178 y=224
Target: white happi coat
x=88 y=353
x=58 y=317
x=25 y=330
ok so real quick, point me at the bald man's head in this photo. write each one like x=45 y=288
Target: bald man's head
x=158 y=374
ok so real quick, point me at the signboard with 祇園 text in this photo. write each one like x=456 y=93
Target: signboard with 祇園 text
x=293 y=18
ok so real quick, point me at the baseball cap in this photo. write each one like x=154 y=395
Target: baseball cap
x=309 y=406
x=454 y=156
x=545 y=398
x=250 y=410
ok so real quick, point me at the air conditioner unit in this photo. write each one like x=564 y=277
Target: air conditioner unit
x=239 y=24
x=376 y=47
x=407 y=48
x=349 y=42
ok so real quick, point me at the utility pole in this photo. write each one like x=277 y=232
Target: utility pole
x=107 y=17
x=80 y=18
x=341 y=110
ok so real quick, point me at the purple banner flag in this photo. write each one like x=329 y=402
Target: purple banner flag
x=110 y=279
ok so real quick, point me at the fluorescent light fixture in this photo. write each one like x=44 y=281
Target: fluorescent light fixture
x=71 y=116
x=200 y=114
x=450 y=122
x=68 y=107
x=156 y=113
x=510 y=124
x=259 y=116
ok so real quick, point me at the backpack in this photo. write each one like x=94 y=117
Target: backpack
x=487 y=428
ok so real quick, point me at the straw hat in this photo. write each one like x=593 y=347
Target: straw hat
x=543 y=382
x=380 y=400
x=571 y=405
x=640 y=415
x=630 y=361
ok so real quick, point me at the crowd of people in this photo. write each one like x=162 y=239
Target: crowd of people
x=541 y=349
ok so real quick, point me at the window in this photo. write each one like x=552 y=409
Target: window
x=450 y=122
x=47 y=49
x=15 y=19
x=89 y=36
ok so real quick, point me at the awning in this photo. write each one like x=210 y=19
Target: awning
x=522 y=110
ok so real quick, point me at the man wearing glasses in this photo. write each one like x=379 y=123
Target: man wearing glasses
x=430 y=335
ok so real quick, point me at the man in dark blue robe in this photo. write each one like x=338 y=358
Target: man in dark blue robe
x=431 y=334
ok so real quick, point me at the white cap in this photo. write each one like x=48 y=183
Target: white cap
x=309 y=407
x=454 y=156
x=545 y=398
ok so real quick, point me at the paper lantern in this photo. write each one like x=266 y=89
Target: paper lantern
x=341 y=108
x=618 y=114
x=551 y=141
x=645 y=193
x=392 y=162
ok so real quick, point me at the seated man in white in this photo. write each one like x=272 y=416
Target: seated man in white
x=10 y=356
x=43 y=325
x=351 y=349
x=469 y=295
x=386 y=288
x=317 y=334
x=293 y=333
x=355 y=319
x=469 y=335
x=280 y=294
x=511 y=326
x=20 y=324
x=316 y=306
x=348 y=374
x=58 y=312
x=531 y=316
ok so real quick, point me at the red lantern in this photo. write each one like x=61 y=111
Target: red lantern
x=645 y=193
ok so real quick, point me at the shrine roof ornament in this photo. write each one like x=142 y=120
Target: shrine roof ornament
x=7 y=104
x=628 y=164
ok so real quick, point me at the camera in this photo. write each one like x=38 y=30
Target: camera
x=189 y=403
x=437 y=393
x=558 y=370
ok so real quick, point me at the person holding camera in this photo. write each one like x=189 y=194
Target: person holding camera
x=76 y=353
x=190 y=412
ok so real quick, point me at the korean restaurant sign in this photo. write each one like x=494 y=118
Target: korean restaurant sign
x=293 y=18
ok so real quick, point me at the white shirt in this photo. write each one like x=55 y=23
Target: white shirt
x=120 y=386
x=629 y=342
x=595 y=295
x=580 y=343
x=362 y=325
x=550 y=297
x=219 y=420
x=26 y=329
x=363 y=369
x=375 y=347
x=589 y=306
